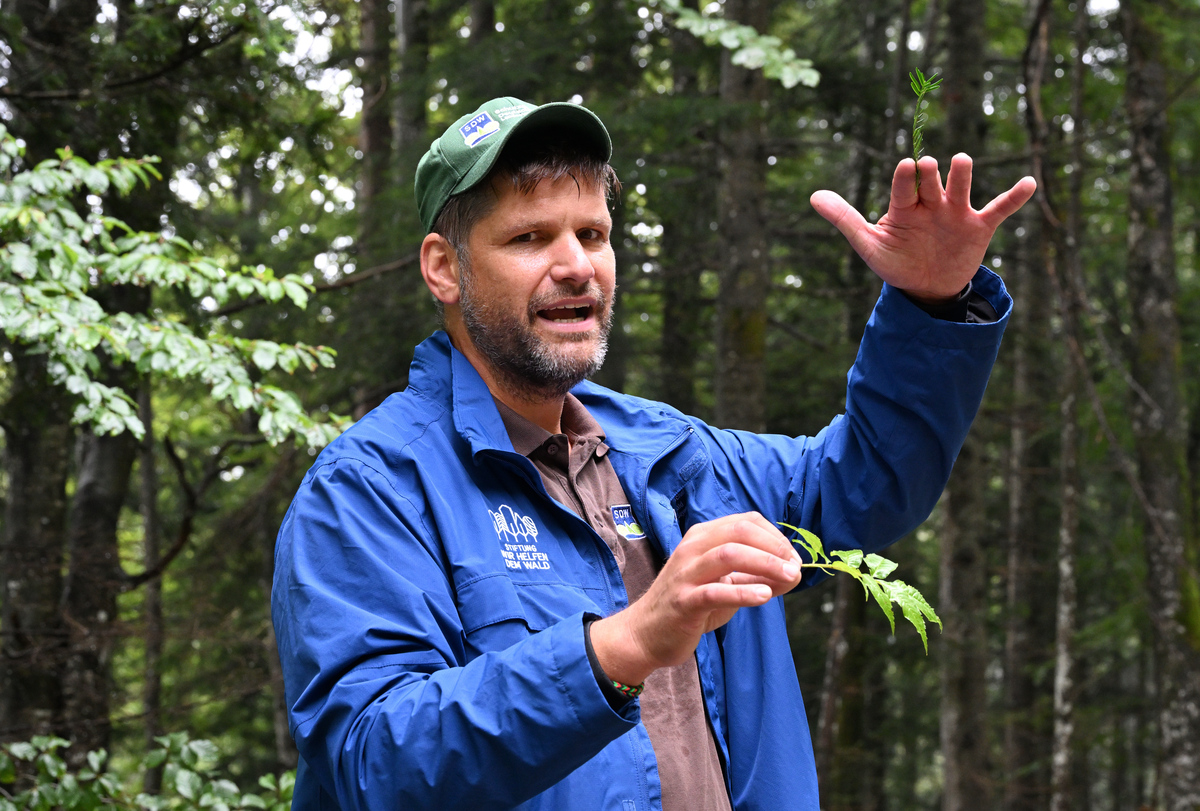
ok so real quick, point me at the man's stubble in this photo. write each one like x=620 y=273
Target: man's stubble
x=524 y=362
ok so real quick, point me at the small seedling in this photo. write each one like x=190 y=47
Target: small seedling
x=921 y=86
x=874 y=580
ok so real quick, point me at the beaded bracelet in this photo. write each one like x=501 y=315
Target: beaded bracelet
x=627 y=690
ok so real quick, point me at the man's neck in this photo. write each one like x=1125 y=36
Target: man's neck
x=545 y=414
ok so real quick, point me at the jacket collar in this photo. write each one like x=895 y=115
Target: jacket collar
x=640 y=429
x=442 y=373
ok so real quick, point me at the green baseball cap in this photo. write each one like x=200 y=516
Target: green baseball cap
x=468 y=150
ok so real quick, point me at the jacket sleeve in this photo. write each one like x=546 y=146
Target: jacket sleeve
x=384 y=707
x=876 y=472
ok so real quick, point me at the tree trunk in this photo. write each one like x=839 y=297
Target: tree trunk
x=93 y=581
x=274 y=503
x=1030 y=523
x=686 y=240
x=744 y=275
x=412 y=55
x=152 y=597
x=37 y=461
x=962 y=603
x=1063 y=762
x=963 y=577
x=847 y=763
x=1173 y=593
x=375 y=134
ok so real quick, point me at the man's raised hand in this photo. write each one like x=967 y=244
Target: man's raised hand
x=931 y=242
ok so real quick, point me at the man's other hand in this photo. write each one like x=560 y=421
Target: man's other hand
x=929 y=243
x=720 y=566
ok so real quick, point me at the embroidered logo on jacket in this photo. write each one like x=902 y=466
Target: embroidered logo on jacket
x=518 y=539
x=627 y=525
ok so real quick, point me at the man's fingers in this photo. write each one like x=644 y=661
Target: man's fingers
x=958 y=181
x=931 y=191
x=904 y=186
x=717 y=596
x=738 y=563
x=749 y=527
x=1008 y=203
x=841 y=215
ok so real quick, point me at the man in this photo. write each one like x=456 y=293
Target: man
x=507 y=587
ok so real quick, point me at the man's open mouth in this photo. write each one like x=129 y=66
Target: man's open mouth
x=566 y=315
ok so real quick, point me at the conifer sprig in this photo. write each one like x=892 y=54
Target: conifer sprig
x=921 y=86
x=874 y=580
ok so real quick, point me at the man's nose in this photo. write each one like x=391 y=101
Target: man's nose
x=572 y=263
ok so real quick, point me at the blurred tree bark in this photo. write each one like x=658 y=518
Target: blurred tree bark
x=375 y=134
x=1173 y=586
x=963 y=586
x=687 y=237
x=745 y=271
x=37 y=462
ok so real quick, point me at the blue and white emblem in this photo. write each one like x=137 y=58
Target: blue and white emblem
x=627 y=525
x=478 y=128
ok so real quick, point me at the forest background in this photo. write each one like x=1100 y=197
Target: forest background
x=1062 y=558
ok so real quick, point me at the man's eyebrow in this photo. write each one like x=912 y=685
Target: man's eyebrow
x=524 y=226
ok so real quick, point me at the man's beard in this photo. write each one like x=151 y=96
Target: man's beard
x=525 y=363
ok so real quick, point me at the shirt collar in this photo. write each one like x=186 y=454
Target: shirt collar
x=576 y=422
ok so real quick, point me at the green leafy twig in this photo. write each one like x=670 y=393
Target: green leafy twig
x=921 y=86
x=874 y=580
x=747 y=47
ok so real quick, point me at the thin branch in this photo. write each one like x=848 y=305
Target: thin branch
x=191 y=501
x=76 y=94
x=345 y=281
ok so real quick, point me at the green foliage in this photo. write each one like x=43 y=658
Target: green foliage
x=54 y=262
x=750 y=49
x=874 y=580
x=39 y=779
x=921 y=86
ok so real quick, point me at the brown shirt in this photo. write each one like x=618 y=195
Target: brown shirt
x=575 y=471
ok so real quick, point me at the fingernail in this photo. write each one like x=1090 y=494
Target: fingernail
x=763 y=592
x=791 y=571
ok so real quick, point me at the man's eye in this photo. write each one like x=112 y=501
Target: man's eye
x=526 y=237
x=591 y=235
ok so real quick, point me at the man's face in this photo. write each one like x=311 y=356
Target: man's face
x=536 y=287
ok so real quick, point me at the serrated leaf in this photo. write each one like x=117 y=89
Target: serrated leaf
x=852 y=557
x=879 y=566
x=885 y=602
x=807 y=541
x=916 y=610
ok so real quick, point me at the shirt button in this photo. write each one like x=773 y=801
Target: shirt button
x=552 y=449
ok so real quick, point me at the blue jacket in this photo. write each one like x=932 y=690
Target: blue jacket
x=429 y=594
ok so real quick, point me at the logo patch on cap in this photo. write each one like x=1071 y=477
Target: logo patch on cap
x=478 y=128
x=627 y=525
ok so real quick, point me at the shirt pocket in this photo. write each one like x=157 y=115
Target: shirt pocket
x=497 y=613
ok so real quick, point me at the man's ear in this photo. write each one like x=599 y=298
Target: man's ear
x=439 y=268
